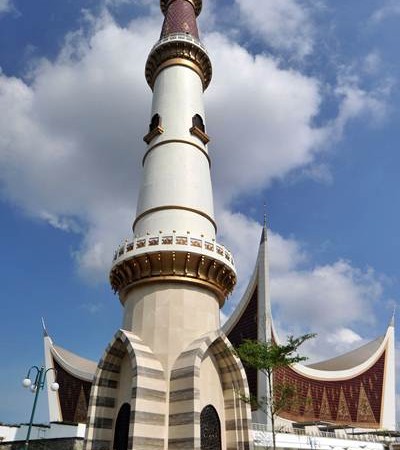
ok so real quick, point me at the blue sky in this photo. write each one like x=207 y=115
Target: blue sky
x=303 y=112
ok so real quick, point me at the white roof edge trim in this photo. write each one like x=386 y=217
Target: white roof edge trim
x=345 y=374
x=83 y=374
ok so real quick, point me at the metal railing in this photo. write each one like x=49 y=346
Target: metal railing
x=176 y=241
x=326 y=434
x=179 y=37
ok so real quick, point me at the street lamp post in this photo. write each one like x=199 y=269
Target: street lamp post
x=36 y=387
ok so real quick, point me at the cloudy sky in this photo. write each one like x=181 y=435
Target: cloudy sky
x=303 y=111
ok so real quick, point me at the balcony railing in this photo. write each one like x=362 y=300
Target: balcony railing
x=339 y=434
x=179 y=37
x=175 y=241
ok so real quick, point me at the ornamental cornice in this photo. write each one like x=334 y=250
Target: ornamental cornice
x=197 y=5
x=174 y=266
x=179 y=49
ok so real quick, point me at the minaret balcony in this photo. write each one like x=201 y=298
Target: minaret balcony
x=174 y=256
x=179 y=37
x=179 y=49
x=177 y=241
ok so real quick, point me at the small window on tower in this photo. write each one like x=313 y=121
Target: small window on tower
x=155 y=122
x=198 y=122
x=155 y=129
x=198 y=129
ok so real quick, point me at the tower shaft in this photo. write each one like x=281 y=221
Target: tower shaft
x=176 y=191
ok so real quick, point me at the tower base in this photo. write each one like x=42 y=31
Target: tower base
x=136 y=404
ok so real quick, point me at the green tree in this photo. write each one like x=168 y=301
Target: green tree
x=267 y=357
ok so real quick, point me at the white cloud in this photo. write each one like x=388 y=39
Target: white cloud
x=372 y=62
x=276 y=131
x=319 y=172
x=61 y=223
x=339 y=293
x=389 y=9
x=284 y=24
x=5 y=6
x=92 y=308
x=344 y=335
x=336 y=300
x=356 y=102
x=71 y=144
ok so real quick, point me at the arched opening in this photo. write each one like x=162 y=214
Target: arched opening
x=155 y=129
x=155 y=122
x=197 y=122
x=198 y=129
x=121 y=432
x=210 y=429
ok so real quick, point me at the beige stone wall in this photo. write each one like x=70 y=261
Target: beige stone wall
x=211 y=392
x=125 y=382
x=169 y=316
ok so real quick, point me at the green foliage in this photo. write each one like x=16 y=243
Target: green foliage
x=267 y=357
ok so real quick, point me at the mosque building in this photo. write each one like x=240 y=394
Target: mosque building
x=169 y=379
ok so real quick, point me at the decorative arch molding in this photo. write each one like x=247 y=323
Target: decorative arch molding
x=146 y=405
x=185 y=407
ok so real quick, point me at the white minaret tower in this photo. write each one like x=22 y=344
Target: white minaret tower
x=169 y=378
x=174 y=273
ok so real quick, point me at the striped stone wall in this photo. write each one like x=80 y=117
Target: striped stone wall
x=184 y=397
x=148 y=401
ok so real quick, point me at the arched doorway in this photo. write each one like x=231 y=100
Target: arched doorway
x=121 y=432
x=210 y=429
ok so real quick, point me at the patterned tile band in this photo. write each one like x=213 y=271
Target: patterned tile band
x=355 y=401
x=180 y=18
x=197 y=5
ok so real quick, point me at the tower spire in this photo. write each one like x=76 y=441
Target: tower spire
x=264 y=234
x=179 y=43
x=392 y=320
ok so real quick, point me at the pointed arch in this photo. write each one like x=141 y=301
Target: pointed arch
x=103 y=405
x=185 y=406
